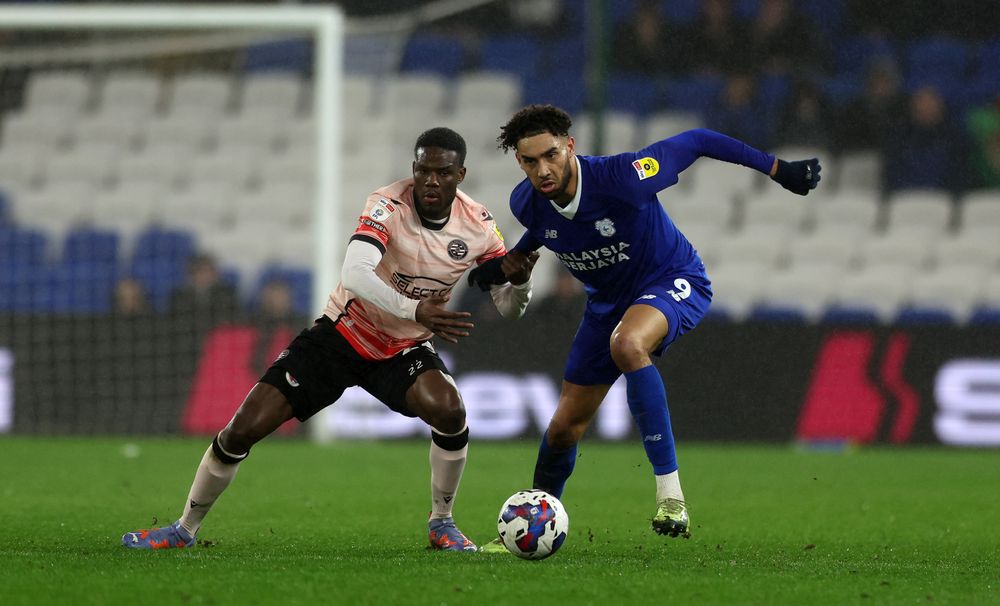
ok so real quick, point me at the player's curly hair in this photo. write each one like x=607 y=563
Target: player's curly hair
x=443 y=137
x=533 y=120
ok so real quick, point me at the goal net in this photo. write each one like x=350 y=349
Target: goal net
x=169 y=207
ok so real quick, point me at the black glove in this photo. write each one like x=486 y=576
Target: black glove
x=488 y=274
x=798 y=177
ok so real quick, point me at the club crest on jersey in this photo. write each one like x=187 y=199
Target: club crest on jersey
x=606 y=227
x=458 y=249
x=646 y=167
x=381 y=210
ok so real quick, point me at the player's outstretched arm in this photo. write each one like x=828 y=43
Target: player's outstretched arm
x=444 y=323
x=491 y=273
x=798 y=177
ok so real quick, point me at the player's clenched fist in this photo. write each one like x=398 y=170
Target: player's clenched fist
x=517 y=266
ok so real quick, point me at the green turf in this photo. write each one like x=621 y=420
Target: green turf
x=345 y=524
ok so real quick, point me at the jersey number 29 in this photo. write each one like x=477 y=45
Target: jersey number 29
x=683 y=289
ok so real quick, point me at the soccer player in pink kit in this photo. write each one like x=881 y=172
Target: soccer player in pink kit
x=415 y=240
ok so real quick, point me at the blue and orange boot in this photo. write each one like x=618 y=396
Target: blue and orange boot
x=445 y=535
x=168 y=537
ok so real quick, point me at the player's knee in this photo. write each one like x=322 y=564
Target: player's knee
x=448 y=414
x=628 y=352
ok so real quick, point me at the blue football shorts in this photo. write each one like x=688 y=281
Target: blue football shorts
x=682 y=299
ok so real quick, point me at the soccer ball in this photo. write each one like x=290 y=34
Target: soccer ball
x=533 y=524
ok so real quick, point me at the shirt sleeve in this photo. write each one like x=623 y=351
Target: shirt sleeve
x=494 y=241
x=358 y=276
x=376 y=223
x=657 y=167
x=511 y=299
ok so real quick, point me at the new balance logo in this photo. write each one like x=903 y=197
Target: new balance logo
x=551 y=234
x=653 y=438
x=643 y=297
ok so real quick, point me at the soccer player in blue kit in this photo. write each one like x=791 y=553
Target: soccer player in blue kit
x=645 y=283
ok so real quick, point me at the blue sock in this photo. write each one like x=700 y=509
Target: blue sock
x=553 y=467
x=647 y=399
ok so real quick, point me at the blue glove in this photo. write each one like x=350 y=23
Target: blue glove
x=488 y=274
x=798 y=177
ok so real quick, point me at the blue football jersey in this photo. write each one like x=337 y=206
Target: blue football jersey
x=620 y=238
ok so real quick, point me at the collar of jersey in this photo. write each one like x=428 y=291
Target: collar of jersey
x=570 y=210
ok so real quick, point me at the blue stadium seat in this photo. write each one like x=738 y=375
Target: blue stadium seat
x=843 y=88
x=159 y=262
x=828 y=15
x=924 y=316
x=86 y=245
x=300 y=281
x=838 y=314
x=22 y=247
x=567 y=90
x=439 y=54
x=514 y=54
x=855 y=54
x=776 y=313
x=986 y=315
x=633 y=94
x=938 y=59
x=773 y=91
x=988 y=60
x=567 y=55
x=681 y=12
x=74 y=288
x=694 y=94
x=746 y=9
x=293 y=55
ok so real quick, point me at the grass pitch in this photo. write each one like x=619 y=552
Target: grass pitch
x=345 y=524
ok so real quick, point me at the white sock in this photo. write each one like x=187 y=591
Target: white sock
x=211 y=479
x=446 y=473
x=669 y=485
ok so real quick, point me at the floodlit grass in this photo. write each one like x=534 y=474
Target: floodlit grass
x=345 y=524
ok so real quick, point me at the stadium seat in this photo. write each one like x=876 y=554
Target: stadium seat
x=763 y=245
x=778 y=210
x=206 y=91
x=296 y=164
x=239 y=165
x=806 y=287
x=107 y=128
x=129 y=93
x=955 y=291
x=290 y=55
x=663 y=124
x=969 y=248
x=489 y=91
x=847 y=210
x=57 y=207
x=822 y=248
x=298 y=278
x=705 y=238
x=20 y=168
x=620 y=130
x=165 y=162
x=936 y=59
x=259 y=127
x=271 y=92
x=89 y=245
x=518 y=55
x=130 y=207
x=738 y=287
x=927 y=208
x=693 y=94
x=191 y=127
x=443 y=55
x=909 y=316
x=299 y=134
x=860 y=171
x=415 y=92
x=64 y=92
x=637 y=95
x=279 y=203
x=40 y=129
x=905 y=247
x=24 y=247
x=686 y=209
x=565 y=89
x=980 y=209
x=359 y=95
x=714 y=179
x=94 y=163
x=854 y=54
x=880 y=289
x=681 y=12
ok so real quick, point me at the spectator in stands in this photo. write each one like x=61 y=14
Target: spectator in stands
x=275 y=313
x=805 y=120
x=648 y=45
x=983 y=125
x=865 y=122
x=783 y=41
x=738 y=112
x=204 y=297
x=719 y=42
x=130 y=298
x=926 y=151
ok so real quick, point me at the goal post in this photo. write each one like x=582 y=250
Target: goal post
x=325 y=24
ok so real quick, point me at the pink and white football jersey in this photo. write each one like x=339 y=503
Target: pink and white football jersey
x=421 y=260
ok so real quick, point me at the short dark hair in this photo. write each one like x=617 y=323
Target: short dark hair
x=533 y=120
x=444 y=138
